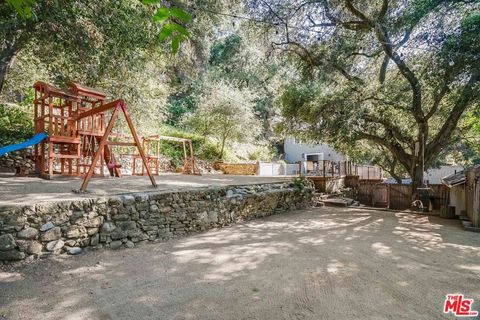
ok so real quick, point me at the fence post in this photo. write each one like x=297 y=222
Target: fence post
x=388 y=196
x=373 y=195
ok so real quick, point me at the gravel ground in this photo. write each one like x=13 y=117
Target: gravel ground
x=16 y=191
x=325 y=263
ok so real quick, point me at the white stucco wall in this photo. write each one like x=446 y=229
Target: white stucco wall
x=435 y=175
x=294 y=151
x=277 y=169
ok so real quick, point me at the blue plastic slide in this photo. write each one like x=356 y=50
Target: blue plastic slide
x=39 y=137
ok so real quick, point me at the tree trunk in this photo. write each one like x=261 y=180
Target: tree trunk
x=397 y=178
x=14 y=42
x=7 y=56
x=223 y=147
x=418 y=167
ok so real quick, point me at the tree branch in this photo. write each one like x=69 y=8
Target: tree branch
x=386 y=59
x=383 y=10
x=438 y=97
x=443 y=136
x=390 y=128
x=351 y=25
x=396 y=150
x=383 y=69
x=387 y=46
x=358 y=14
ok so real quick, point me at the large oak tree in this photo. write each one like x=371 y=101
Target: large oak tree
x=399 y=74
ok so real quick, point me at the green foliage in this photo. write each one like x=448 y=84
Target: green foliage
x=299 y=183
x=183 y=102
x=261 y=153
x=170 y=18
x=462 y=50
x=203 y=150
x=224 y=112
x=22 y=7
x=16 y=124
x=385 y=82
x=110 y=45
x=223 y=52
x=172 y=30
x=471 y=147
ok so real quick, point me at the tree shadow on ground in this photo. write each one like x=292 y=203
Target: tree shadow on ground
x=326 y=263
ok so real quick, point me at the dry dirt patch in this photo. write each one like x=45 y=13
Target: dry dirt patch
x=325 y=263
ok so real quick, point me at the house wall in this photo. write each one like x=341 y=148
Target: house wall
x=476 y=206
x=294 y=151
x=434 y=175
x=457 y=198
x=278 y=169
x=472 y=196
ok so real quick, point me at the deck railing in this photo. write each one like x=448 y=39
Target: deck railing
x=338 y=169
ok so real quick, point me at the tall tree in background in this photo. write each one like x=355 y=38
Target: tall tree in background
x=226 y=114
x=90 y=34
x=399 y=74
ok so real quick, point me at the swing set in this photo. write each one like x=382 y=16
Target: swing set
x=152 y=146
x=79 y=123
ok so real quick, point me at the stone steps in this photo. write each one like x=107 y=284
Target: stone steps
x=338 y=202
x=467 y=225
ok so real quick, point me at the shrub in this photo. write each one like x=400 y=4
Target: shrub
x=205 y=151
x=16 y=124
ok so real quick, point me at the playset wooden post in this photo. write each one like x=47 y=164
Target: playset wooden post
x=117 y=106
x=189 y=165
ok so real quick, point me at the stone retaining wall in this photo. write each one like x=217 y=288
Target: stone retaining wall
x=54 y=228
x=18 y=161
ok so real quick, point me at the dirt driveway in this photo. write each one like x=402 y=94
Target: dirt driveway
x=315 y=264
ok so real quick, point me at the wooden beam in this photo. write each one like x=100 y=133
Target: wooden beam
x=121 y=144
x=105 y=107
x=103 y=141
x=65 y=156
x=137 y=142
x=60 y=139
x=158 y=138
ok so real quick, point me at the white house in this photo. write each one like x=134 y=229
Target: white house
x=296 y=151
x=311 y=155
x=435 y=175
x=464 y=196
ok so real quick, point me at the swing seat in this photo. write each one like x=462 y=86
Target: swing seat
x=114 y=165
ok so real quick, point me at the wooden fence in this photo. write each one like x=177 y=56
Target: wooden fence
x=397 y=196
x=365 y=172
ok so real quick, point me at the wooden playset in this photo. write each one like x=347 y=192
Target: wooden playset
x=152 y=145
x=80 y=126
